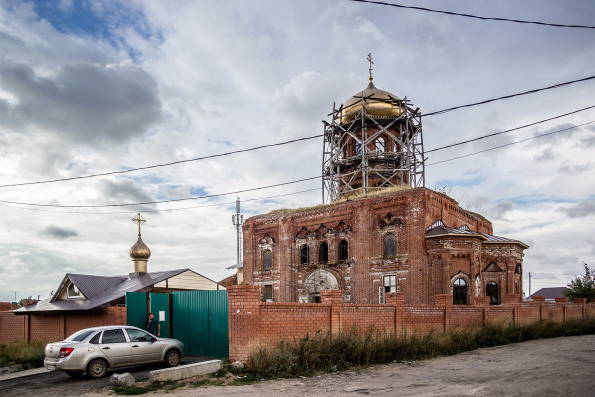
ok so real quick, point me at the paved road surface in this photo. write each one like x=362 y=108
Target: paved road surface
x=56 y=383
x=549 y=367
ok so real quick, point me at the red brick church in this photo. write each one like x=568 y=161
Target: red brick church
x=382 y=230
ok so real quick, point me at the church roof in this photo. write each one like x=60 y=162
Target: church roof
x=438 y=229
x=100 y=291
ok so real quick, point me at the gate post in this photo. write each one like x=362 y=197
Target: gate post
x=244 y=319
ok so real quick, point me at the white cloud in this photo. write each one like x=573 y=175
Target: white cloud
x=169 y=81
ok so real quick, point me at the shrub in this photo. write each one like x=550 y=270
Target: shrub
x=323 y=353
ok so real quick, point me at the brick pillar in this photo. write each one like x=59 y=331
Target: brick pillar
x=511 y=298
x=398 y=300
x=582 y=302
x=541 y=300
x=244 y=319
x=564 y=302
x=334 y=297
x=445 y=301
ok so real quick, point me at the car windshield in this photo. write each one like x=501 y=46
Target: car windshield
x=80 y=335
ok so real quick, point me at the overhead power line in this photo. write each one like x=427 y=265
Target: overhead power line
x=510 y=130
x=160 y=201
x=557 y=25
x=279 y=143
x=162 y=210
x=271 y=186
x=509 y=96
x=509 y=144
x=163 y=164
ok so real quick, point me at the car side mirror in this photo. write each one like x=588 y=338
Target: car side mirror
x=153 y=339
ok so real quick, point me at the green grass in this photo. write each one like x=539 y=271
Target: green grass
x=322 y=353
x=22 y=353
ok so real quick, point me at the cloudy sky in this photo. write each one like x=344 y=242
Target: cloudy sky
x=89 y=87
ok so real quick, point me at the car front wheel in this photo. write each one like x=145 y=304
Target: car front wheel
x=172 y=358
x=97 y=368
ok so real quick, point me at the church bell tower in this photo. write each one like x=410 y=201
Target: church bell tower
x=373 y=142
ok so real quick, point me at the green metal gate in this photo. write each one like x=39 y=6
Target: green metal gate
x=136 y=309
x=198 y=319
x=200 y=322
x=159 y=306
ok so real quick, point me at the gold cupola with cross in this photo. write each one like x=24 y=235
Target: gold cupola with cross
x=373 y=142
x=139 y=252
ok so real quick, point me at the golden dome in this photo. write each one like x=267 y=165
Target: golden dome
x=140 y=250
x=378 y=104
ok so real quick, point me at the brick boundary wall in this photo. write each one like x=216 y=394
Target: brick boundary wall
x=50 y=328
x=254 y=324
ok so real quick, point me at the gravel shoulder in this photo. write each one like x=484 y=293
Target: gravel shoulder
x=553 y=367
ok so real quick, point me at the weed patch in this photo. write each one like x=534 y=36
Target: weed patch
x=321 y=353
x=22 y=353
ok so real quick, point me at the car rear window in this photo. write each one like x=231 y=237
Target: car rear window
x=95 y=340
x=79 y=336
x=113 y=336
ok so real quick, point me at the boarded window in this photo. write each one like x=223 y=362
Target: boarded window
x=358 y=148
x=390 y=284
x=268 y=293
x=390 y=245
x=305 y=254
x=492 y=292
x=268 y=259
x=343 y=250
x=323 y=253
x=459 y=293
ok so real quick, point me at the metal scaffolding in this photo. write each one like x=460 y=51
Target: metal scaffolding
x=372 y=142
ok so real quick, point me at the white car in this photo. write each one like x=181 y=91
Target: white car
x=96 y=350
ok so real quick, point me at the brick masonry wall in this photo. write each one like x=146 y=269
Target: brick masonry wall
x=254 y=324
x=54 y=327
x=421 y=267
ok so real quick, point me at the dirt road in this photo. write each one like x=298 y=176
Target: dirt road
x=549 y=367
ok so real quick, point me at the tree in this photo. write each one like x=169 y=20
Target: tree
x=24 y=299
x=582 y=286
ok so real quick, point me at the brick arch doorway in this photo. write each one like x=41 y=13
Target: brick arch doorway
x=317 y=281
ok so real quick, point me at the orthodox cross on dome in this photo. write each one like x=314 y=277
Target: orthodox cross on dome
x=140 y=220
x=371 y=63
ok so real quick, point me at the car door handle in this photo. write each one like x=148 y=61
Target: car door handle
x=134 y=345
x=105 y=348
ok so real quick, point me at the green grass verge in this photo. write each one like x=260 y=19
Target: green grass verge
x=322 y=353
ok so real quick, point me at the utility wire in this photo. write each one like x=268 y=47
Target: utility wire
x=162 y=210
x=161 y=201
x=164 y=164
x=510 y=130
x=382 y=3
x=275 y=185
x=277 y=144
x=509 y=96
x=509 y=144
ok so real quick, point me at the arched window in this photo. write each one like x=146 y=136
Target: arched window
x=459 y=292
x=390 y=245
x=268 y=259
x=518 y=269
x=305 y=254
x=492 y=292
x=343 y=250
x=323 y=253
x=380 y=145
x=358 y=148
